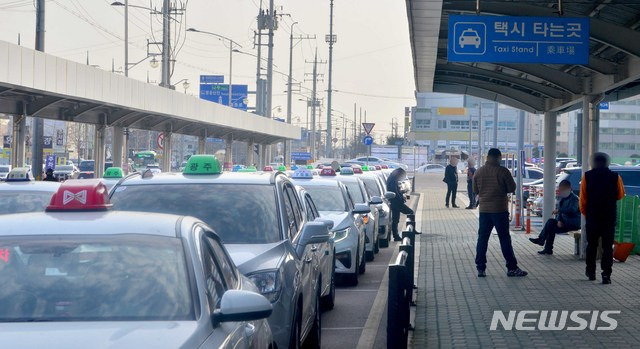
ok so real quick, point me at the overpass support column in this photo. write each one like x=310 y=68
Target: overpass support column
x=167 y=151
x=550 y=129
x=249 y=153
x=18 y=140
x=586 y=154
x=202 y=142
x=118 y=140
x=99 y=150
x=594 y=127
x=228 y=150
x=263 y=155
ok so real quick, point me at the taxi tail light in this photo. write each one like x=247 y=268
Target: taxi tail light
x=80 y=195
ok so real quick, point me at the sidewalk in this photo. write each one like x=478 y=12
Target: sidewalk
x=455 y=307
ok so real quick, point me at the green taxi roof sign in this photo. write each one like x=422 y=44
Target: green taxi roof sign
x=309 y=167
x=365 y=168
x=113 y=172
x=282 y=168
x=202 y=165
x=248 y=169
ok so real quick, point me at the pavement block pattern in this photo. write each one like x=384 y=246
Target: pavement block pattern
x=455 y=307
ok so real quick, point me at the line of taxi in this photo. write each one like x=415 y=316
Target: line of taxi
x=218 y=237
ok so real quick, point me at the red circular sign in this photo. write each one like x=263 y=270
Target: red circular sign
x=160 y=140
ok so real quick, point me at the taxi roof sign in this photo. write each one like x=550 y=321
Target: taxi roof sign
x=346 y=171
x=249 y=169
x=113 y=172
x=19 y=174
x=384 y=167
x=268 y=168
x=202 y=165
x=302 y=173
x=357 y=169
x=328 y=171
x=80 y=195
x=282 y=168
x=309 y=167
x=365 y=168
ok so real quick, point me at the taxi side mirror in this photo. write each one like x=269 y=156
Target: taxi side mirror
x=240 y=306
x=313 y=233
x=361 y=209
x=375 y=200
x=390 y=195
x=327 y=222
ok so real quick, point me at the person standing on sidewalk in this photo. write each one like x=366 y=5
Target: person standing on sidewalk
x=471 y=171
x=567 y=218
x=451 y=178
x=398 y=204
x=600 y=190
x=492 y=183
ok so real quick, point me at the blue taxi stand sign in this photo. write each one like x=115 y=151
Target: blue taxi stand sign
x=518 y=39
x=367 y=140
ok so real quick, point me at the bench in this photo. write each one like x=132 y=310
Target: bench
x=577 y=235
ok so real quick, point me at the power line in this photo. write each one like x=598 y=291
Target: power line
x=372 y=95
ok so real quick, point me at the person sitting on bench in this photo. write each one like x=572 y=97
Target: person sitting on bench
x=567 y=218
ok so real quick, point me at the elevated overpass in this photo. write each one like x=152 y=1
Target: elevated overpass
x=612 y=71
x=34 y=83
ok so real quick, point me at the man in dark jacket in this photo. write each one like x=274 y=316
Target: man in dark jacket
x=492 y=183
x=398 y=204
x=451 y=178
x=600 y=190
x=567 y=218
x=49 y=176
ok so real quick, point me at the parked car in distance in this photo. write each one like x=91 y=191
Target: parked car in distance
x=430 y=168
x=64 y=172
x=4 y=171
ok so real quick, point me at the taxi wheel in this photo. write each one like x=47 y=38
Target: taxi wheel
x=369 y=256
x=294 y=341
x=376 y=246
x=363 y=265
x=329 y=301
x=384 y=241
x=315 y=335
x=352 y=279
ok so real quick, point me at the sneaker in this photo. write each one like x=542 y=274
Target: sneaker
x=468 y=208
x=606 y=280
x=591 y=276
x=545 y=252
x=396 y=237
x=447 y=205
x=455 y=206
x=517 y=272
x=537 y=241
x=482 y=273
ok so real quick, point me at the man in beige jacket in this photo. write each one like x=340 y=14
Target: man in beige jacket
x=492 y=183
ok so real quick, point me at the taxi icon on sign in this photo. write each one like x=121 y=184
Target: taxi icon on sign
x=469 y=37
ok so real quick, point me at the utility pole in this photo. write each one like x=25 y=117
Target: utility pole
x=495 y=125
x=38 y=124
x=313 y=106
x=272 y=25
x=126 y=37
x=166 y=45
x=331 y=39
x=287 y=144
x=355 y=139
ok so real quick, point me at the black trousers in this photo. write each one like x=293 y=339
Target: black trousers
x=395 y=215
x=472 y=195
x=452 y=188
x=596 y=229
x=548 y=233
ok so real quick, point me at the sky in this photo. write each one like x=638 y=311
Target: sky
x=372 y=63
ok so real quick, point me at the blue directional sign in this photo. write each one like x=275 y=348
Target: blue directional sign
x=301 y=155
x=50 y=161
x=211 y=79
x=604 y=105
x=367 y=140
x=513 y=39
x=219 y=93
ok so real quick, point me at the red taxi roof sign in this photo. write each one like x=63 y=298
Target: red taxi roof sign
x=384 y=167
x=328 y=171
x=268 y=169
x=378 y=167
x=357 y=169
x=80 y=195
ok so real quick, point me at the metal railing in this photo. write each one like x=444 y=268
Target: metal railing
x=401 y=286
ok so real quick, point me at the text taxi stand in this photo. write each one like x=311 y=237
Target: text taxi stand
x=401 y=286
x=516 y=39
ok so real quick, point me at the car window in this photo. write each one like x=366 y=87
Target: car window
x=311 y=214
x=86 y=166
x=316 y=214
x=371 y=185
x=630 y=178
x=121 y=277
x=225 y=263
x=356 y=192
x=535 y=175
x=251 y=217
x=327 y=198
x=292 y=225
x=212 y=276
x=23 y=201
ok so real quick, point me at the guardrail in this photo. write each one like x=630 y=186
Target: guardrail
x=401 y=286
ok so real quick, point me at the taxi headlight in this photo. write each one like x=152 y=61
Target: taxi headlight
x=268 y=283
x=339 y=235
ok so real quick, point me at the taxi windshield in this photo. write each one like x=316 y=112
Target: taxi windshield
x=327 y=198
x=88 y=165
x=64 y=168
x=122 y=277
x=239 y=214
x=4 y=169
x=23 y=201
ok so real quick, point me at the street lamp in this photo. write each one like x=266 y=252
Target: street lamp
x=231 y=50
x=154 y=63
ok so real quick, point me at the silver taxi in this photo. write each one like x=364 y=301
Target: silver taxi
x=19 y=193
x=91 y=280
